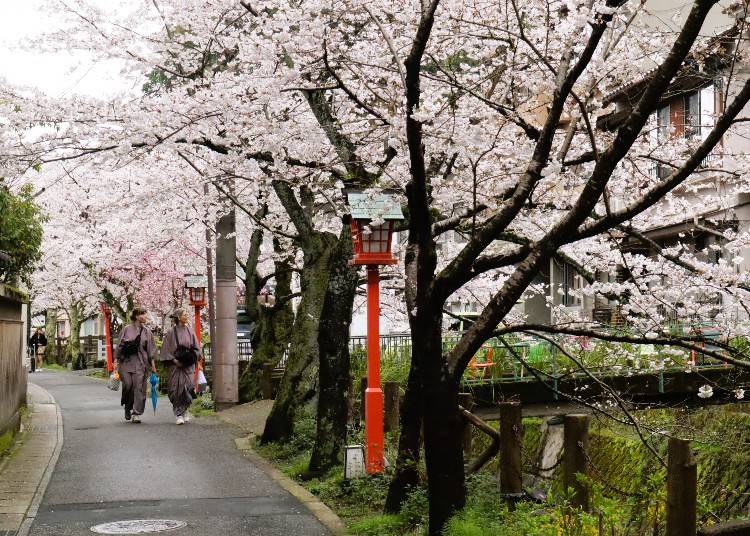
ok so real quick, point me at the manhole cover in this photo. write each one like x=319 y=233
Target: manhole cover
x=138 y=526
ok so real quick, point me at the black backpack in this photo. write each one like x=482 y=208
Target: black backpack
x=130 y=348
x=186 y=355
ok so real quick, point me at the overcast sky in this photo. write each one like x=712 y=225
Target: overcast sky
x=55 y=74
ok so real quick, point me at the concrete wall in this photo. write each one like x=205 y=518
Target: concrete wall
x=12 y=370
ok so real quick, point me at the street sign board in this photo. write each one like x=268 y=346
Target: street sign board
x=196 y=281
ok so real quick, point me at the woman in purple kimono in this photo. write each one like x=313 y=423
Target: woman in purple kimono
x=134 y=355
x=181 y=375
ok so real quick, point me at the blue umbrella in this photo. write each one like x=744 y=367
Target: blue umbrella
x=154 y=392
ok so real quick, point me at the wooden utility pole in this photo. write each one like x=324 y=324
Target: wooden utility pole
x=511 y=439
x=682 y=488
x=576 y=446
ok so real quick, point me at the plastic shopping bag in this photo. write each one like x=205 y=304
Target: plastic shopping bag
x=202 y=383
x=113 y=382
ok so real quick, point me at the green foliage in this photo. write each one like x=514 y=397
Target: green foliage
x=377 y=525
x=202 y=406
x=394 y=364
x=156 y=79
x=6 y=442
x=21 y=233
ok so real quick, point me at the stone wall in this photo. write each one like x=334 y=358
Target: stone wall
x=12 y=371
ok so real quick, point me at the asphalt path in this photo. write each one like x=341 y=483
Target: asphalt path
x=112 y=470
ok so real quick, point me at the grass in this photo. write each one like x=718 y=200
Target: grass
x=11 y=438
x=202 y=406
x=360 y=502
x=98 y=374
x=6 y=442
x=54 y=366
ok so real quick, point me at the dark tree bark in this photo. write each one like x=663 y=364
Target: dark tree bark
x=334 y=370
x=273 y=325
x=297 y=386
x=406 y=476
x=50 y=331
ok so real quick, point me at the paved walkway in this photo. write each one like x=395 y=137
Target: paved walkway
x=111 y=470
x=25 y=472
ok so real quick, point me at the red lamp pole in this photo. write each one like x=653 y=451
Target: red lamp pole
x=197 y=300
x=198 y=322
x=108 y=336
x=375 y=458
x=372 y=247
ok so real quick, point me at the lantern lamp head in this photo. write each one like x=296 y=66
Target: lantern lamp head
x=196 y=285
x=197 y=296
x=373 y=221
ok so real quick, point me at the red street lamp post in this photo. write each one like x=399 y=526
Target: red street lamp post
x=372 y=248
x=107 y=312
x=196 y=285
x=197 y=300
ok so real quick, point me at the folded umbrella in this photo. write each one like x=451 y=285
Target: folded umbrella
x=154 y=392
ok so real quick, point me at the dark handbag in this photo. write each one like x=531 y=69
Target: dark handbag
x=130 y=348
x=186 y=355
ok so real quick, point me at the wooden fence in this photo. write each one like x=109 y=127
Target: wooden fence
x=12 y=371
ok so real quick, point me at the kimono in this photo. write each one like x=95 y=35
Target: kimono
x=181 y=379
x=134 y=369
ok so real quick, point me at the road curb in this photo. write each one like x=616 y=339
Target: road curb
x=320 y=510
x=44 y=482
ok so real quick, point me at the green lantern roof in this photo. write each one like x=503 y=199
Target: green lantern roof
x=371 y=207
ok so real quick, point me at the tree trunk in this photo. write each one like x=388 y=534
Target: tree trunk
x=50 y=332
x=296 y=388
x=443 y=427
x=334 y=370
x=273 y=325
x=74 y=340
x=406 y=476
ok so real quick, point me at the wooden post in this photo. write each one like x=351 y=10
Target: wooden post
x=266 y=383
x=682 y=483
x=576 y=445
x=362 y=389
x=392 y=399
x=466 y=401
x=511 y=440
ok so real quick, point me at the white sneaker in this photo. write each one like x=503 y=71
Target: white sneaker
x=136 y=418
x=187 y=417
x=180 y=420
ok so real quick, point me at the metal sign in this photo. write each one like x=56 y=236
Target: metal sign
x=196 y=281
x=138 y=526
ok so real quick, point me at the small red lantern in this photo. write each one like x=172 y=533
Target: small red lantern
x=196 y=285
x=197 y=296
x=372 y=243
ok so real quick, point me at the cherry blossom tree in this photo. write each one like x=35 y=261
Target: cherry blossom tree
x=484 y=116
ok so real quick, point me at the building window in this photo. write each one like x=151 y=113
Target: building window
x=571 y=286
x=690 y=115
